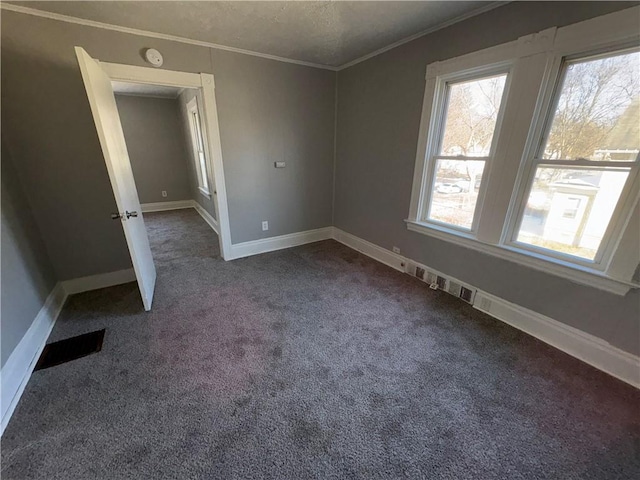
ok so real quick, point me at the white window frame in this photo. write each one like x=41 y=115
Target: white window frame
x=533 y=159
x=535 y=65
x=204 y=178
x=436 y=136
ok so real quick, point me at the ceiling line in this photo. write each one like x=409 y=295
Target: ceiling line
x=200 y=43
x=459 y=18
x=160 y=36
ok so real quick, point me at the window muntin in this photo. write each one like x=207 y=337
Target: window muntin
x=469 y=117
x=589 y=153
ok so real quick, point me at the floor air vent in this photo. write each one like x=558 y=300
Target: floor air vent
x=72 y=348
x=467 y=294
x=437 y=281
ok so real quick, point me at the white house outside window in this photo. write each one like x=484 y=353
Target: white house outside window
x=586 y=158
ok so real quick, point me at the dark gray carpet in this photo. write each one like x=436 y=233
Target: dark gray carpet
x=309 y=363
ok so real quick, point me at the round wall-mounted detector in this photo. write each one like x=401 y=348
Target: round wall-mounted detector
x=154 y=57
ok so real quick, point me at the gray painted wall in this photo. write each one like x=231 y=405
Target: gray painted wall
x=205 y=202
x=156 y=146
x=379 y=107
x=27 y=274
x=276 y=111
x=268 y=111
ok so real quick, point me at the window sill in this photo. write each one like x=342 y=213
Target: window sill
x=575 y=273
x=204 y=192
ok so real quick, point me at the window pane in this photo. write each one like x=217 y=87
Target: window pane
x=455 y=191
x=472 y=112
x=598 y=112
x=569 y=210
x=196 y=123
x=203 y=170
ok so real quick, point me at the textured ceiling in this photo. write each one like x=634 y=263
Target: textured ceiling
x=330 y=33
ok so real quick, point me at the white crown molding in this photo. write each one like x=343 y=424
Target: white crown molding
x=161 y=36
x=175 y=38
x=486 y=8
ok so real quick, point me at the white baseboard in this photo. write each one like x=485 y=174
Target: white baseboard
x=588 y=348
x=583 y=346
x=213 y=223
x=264 y=245
x=380 y=254
x=94 y=282
x=166 y=206
x=20 y=364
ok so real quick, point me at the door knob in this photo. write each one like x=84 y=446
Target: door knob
x=131 y=214
x=115 y=216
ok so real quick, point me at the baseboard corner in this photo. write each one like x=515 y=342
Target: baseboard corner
x=207 y=217
x=95 y=282
x=166 y=206
x=271 y=244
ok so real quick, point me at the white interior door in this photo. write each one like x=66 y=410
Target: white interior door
x=114 y=149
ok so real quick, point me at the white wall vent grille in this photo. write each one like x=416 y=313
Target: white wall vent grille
x=454 y=288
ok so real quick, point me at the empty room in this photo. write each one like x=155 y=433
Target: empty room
x=325 y=239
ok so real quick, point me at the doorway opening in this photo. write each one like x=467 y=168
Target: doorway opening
x=173 y=176
x=99 y=79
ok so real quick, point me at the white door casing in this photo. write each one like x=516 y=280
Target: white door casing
x=116 y=157
x=205 y=83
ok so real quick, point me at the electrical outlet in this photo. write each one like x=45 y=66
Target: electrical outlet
x=164 y=193
x=265 y=226
x=396 y=250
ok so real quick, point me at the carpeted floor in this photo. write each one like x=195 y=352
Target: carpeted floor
x=309 y=363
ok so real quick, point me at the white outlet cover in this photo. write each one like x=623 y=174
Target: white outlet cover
x=265 y=226
x=154 y=57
